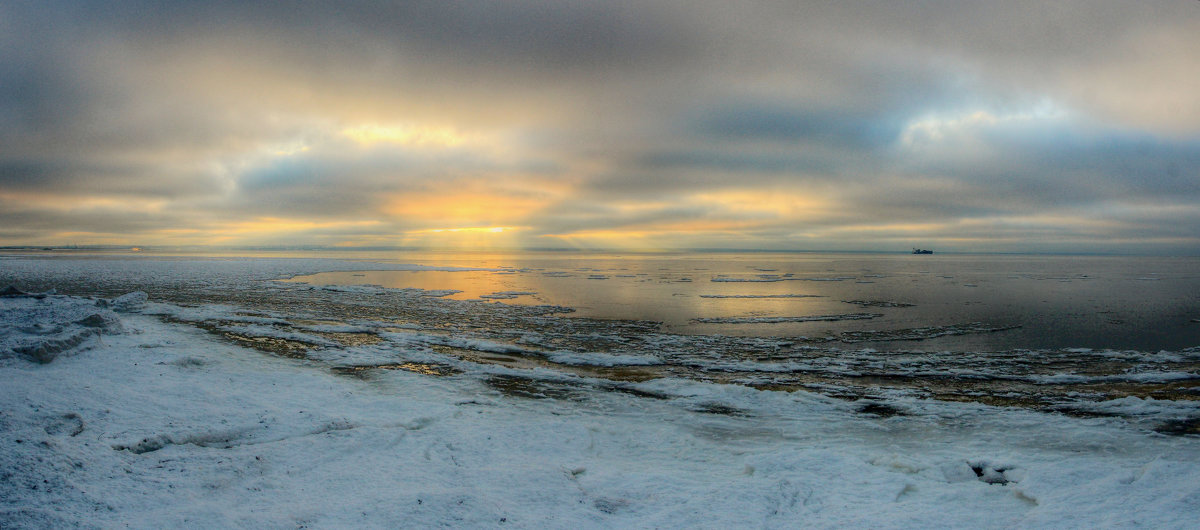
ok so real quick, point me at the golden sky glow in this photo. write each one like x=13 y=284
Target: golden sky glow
x=451 y=209
x=408 y=135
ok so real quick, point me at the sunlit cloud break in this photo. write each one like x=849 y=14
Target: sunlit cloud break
x=474 y=229
x=404 y=135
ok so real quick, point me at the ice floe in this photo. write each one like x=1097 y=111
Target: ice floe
x=783 y=319
x=753 y=296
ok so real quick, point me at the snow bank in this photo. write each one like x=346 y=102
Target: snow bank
x=156 y=424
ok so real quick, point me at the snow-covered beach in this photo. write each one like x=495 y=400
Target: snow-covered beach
x=148 y=414
x=599 y=264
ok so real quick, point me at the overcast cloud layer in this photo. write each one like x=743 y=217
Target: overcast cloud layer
x=989 y=126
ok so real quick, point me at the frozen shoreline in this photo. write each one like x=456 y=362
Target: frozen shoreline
x=151 y=424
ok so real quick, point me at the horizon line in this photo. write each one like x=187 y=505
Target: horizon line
x=323 y=248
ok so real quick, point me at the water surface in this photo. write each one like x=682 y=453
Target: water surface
x=1034 y=302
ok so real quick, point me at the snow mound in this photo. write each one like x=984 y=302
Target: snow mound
x=44 y=327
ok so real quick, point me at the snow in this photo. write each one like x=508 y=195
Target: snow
x=151 y=422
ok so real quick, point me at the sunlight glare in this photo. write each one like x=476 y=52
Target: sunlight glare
x=405 y=134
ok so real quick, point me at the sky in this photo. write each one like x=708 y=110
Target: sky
x=1009 y=126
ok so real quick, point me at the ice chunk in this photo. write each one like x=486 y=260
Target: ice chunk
x=955 y=472
x=128 y=302
x=105 y=321
x=991 y=473
x=13 y=291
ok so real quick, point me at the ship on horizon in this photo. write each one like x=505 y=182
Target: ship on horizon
x=921 y=251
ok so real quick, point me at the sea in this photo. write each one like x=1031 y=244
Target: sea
x=1068 y=334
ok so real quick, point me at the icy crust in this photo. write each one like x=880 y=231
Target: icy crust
x=446 y=341
x=171 y=426
x=355 y=330
x=922 y=333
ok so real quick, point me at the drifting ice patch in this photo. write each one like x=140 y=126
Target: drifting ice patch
x=764 y=279
x=1135 y=377
x=334 y=328
x=601 y=359
x=877 y=303
x=761 y=295
x=256 y=331
x=506 y=295
x=781 y=320
x=920 y=333
x=776 y=278
x=380 y=290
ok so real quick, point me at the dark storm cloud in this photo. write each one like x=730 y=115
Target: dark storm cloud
x=1077 y=167
x=544 y=34
x=99 y=178
x=45 y=223
x=799 y=125
x=729 y=161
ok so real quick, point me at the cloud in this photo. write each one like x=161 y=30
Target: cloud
x=769 y=124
